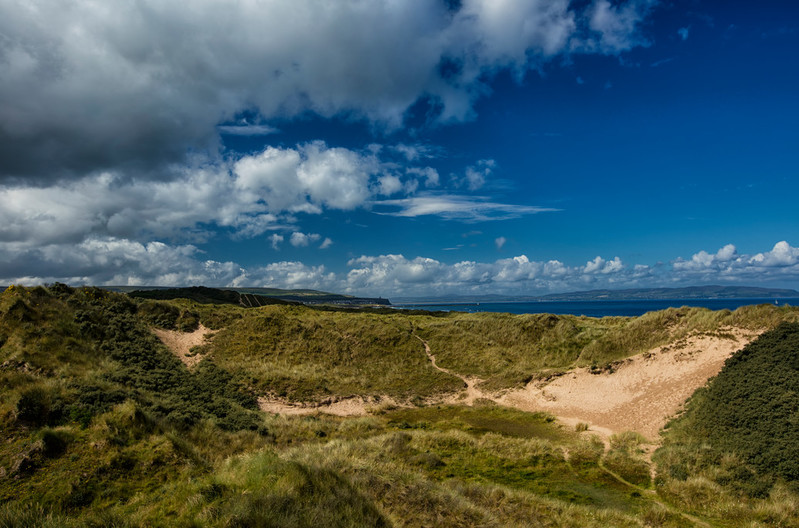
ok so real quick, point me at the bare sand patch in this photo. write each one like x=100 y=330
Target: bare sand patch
x=641 y=393
x=181 y=343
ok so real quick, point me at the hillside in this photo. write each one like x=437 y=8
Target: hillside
x=251 y=297
x=736 y=439
x=103 y=425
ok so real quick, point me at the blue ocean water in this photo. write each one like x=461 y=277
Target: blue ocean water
x=631 y=308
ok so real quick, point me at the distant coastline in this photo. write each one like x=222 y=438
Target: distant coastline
x=595 y=308
x=643 y=294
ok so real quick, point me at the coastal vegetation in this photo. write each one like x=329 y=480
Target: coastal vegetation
x=103 y=426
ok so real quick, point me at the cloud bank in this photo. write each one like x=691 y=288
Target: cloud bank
x=110 y=261
x=136 y=86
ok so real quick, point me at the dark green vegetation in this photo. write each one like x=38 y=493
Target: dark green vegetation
x=103 y=426
x=252 y=297
x=203 y=295
x=737 y=439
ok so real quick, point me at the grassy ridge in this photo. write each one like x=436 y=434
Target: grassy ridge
x=304 y=354
x=506 y=350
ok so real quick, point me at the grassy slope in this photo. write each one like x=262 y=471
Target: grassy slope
x=102 y=427
x=506 y=350
x=732 y=453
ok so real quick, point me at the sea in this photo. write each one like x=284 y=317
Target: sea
x=629 y=308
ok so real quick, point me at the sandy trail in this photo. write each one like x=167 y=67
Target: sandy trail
x=471 y=393
x=181 y=343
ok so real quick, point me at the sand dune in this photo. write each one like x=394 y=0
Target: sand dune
x=641 y=393
x=638 y=394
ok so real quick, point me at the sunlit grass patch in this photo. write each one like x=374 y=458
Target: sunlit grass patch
x=480 y=419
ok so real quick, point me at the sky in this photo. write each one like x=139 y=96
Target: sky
x=396 y=148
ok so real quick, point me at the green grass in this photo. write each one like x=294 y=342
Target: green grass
x=480 y=419
x=508 y=350
x=102 y=426
x=303 y=354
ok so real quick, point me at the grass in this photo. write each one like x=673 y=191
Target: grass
x=303 y=354
x=102 y=426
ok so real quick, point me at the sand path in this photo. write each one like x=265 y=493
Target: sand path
x=471 y=393
x=181 y=343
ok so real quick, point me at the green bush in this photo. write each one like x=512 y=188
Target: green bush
x=748 y=414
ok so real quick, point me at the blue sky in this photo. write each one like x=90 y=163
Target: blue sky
x=400 y=148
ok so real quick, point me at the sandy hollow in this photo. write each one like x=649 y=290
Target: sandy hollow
x=181 y=343
x=641 y=393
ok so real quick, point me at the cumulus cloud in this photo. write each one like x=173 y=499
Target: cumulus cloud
x=298 y=239
x=600 y=265
x=115 y=261
x=275 y=240
x=780 y=263
x=703 y=260
x=429 y=174
x=477 y=175
x=159 y=78
x=500 y=242
x=252 y=195
x=617 y=24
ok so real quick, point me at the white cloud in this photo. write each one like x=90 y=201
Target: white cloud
x=781 y=263
x=782 y=255
x=457 y=207
x=295 y=275
x=252 y=195
x=429 y=174
x=110 y=260
x=389 y=184
x=326 y=243
x=703 y=260
x=276 y=240
x=113 y=261
x=617 y=25
x=160 y=77
x=500 y=242
x=298 y=239
x=600 y=265
x=476 y=176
